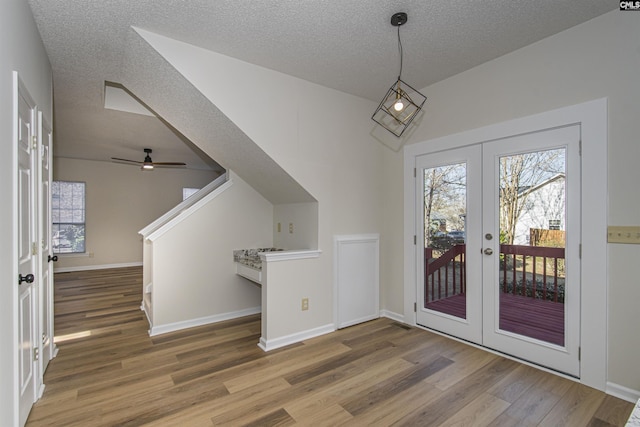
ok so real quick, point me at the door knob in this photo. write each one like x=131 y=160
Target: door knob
x=52 y=258
x=488 y=251
x=29 y=278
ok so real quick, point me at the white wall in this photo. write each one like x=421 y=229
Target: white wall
x=298 y=226
x=21 y=50
x=327 y=149
x=194 y=273
x=120 y=201
x=600 y=58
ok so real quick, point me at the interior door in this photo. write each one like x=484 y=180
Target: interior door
x=449 y=194
x=531 y=243
x=47 y=258
x=498 y=235
x=27 y=262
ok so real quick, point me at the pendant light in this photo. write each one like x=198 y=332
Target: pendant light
x=402 y=103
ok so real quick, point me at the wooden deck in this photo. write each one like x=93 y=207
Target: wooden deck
x=534 y=318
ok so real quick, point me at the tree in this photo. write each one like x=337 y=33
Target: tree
x=519 y=176
x=444 y=198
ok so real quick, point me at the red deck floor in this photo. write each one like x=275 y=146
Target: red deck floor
x=542 y=320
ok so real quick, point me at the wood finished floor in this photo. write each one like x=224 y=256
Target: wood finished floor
x=109 y=372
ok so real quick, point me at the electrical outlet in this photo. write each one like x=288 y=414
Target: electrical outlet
x=623 y=234
x=305 y=304
x=291 y=227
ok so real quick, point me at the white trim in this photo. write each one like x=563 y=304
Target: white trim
x=143 y=307
x=184 y=205
x=392 y=315
x=295 y=338
x=289 y=255
x=177 y=326
x=592 y=117
x=622 y=392
x=187 y=212
x=97 y=267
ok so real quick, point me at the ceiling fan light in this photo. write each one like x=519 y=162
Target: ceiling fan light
x=148 y=163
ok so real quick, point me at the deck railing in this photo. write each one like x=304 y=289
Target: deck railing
x=532 y=271
x=445 y=276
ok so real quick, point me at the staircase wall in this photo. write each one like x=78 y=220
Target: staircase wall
x=193 y=278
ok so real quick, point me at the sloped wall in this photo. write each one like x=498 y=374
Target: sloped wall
x=194 y=275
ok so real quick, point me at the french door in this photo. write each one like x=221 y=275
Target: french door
x=499 y=222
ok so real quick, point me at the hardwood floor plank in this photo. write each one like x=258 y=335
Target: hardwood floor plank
x=480 y=412
x=109 y=372
x=577 y=407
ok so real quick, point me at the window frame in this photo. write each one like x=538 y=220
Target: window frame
x=56 y=226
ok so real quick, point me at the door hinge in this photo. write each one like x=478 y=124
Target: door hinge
x=415 y=307
x=580 y=251
x=580 y=148
x=36 y=353
x=579 y=354
x=414 y=172
x=34 y=142
x=34 y=248
x=415 y=239
x=44 y=338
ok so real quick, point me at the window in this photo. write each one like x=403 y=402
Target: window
x=554 y=224
x=188 y=192
x=68 y=216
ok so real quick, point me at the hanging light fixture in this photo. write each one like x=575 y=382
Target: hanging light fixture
x=148 y=163
x=402 y=103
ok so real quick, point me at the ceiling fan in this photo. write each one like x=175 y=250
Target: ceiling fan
x=148 y=164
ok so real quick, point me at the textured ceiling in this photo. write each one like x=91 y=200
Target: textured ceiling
x=348 y=45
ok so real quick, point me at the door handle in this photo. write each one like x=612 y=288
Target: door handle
x=488 y=251
x=52 y=258
x=29 y=278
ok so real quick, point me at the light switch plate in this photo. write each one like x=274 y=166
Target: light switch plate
x=623 y=234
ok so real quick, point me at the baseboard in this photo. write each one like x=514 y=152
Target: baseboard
x=96 y=267
x=625 y=393
x=391 y=315
x=177 y=326
x=268 y=345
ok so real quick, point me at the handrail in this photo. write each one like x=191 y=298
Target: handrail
x=433 y=268
x=185 y=204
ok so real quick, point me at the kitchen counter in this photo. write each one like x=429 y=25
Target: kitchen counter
x=249 y=264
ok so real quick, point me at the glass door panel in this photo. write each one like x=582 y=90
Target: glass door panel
x=532 y=218
x=445 y=213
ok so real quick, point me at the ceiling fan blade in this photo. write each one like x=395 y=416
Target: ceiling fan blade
x=126 y=160
x=169 y=164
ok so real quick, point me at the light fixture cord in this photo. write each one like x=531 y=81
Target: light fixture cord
x=400 y=50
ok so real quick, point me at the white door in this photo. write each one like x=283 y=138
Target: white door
x=448 y=187
x=531 y=268
x=27 y=246
x=47 y=258
x=500 y=223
